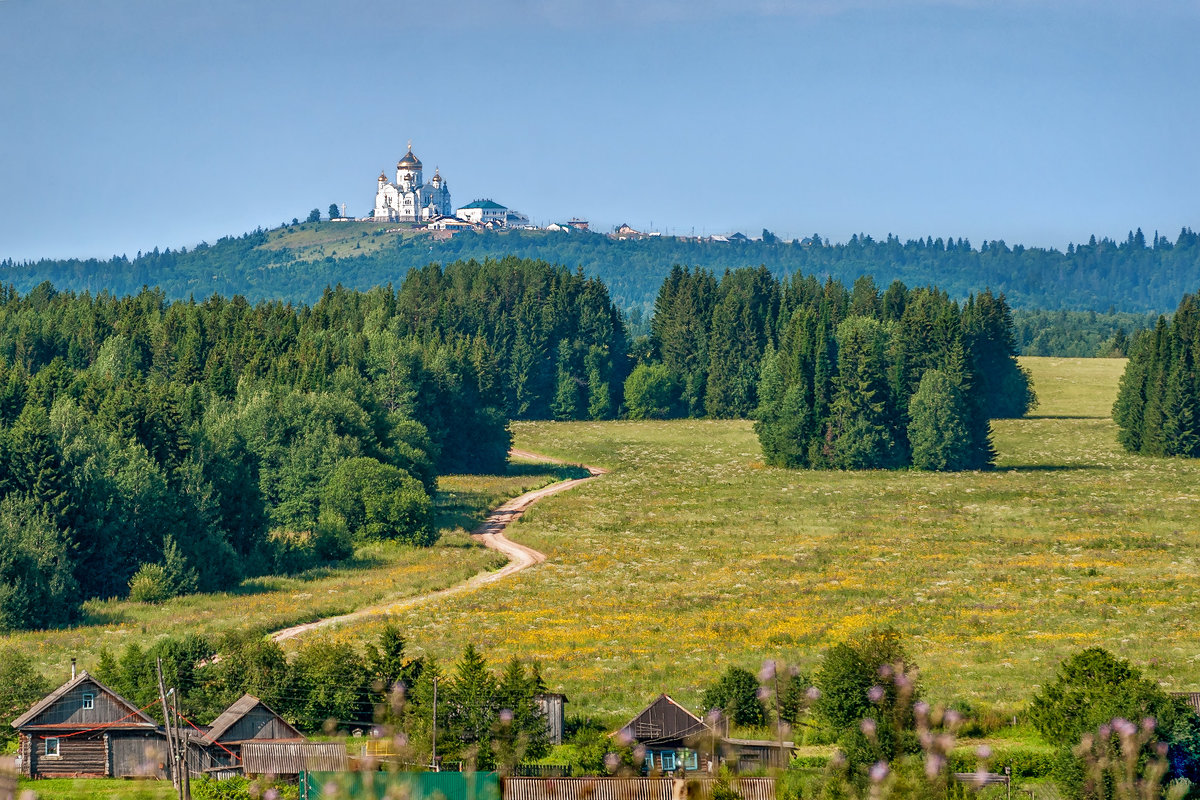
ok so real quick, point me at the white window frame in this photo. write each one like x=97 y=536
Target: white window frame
x=89 y=701
x=49 y=752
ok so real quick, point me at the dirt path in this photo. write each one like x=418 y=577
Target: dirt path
x=490 y=533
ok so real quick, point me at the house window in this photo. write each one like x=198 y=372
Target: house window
x=690 y=760
x=89 y=701
x=649 y=760
x=52 y=746
x=668 y=762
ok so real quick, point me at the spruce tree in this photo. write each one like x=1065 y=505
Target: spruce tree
x=937 y=429
x=863 y=415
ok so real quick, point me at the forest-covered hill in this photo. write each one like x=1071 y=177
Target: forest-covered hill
x=297 y=262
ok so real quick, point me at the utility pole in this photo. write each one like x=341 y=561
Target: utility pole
x=162 y=696
x=181 y=745
x=434 y=759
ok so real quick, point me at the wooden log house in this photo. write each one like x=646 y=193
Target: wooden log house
x=674 y=741
x=85 y=729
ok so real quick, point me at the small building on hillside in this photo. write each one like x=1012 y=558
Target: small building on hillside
x=671 y=735
x=85 y=729
x=676 y=740
x=218 y=749
x=483 y=211
x=551 y=706
x=453 y=224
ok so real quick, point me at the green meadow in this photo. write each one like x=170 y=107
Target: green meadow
x=691 y=555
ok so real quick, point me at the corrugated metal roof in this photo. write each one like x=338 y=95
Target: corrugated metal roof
x=630 y=788
x=292 y=758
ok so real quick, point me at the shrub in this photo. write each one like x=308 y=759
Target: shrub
x=1092 y=699
x=651 y=392
x=379 y=501
x=154 y=583
x=150 y=584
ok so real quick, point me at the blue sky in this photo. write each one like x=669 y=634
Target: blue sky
x=134 y=123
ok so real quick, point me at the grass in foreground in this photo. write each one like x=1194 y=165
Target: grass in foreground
x=692 y=555
x=97 y=789
x=378 y=573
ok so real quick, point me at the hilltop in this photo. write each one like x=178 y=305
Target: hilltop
x=297 y=262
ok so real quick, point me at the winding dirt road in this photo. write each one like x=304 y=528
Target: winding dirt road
x=490 y=533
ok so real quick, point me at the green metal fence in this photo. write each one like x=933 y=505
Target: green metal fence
x=400 y=785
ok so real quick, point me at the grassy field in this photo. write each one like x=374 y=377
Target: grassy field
x=311 y=241
x=378 y=573
x=691 y=555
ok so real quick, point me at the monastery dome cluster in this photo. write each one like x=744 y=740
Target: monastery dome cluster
x=410 y=199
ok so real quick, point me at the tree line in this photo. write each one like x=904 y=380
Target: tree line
x=1158 y=406
x=1140 y=273
x=835 y=377
x=155 y=448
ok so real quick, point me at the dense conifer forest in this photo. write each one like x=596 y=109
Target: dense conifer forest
x=836 y=377
x=1158 y=408
x=1138 y=274
x=154 y=448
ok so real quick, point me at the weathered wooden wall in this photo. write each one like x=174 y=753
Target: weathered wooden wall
x=258 y=724
x=69 y=708
x=136 y=754
x=77 y=755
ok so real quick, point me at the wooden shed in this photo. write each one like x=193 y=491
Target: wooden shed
x=551 y=705
x=85 y=729
x=219 y=748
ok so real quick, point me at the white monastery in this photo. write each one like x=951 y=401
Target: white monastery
x=409 y=199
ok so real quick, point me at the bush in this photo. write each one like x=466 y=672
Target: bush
x=379 y=501
x=155 y=583
x=150 y=584
x=297 y=551
x=1026 y=762
x=651 y=392
x=1091 y=691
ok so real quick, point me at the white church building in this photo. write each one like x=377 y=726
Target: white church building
x=410 y=199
